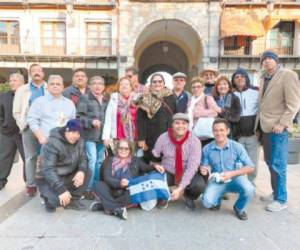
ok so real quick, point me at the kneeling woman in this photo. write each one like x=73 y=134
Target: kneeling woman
x=117 y=170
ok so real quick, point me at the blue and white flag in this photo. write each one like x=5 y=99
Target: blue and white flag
x=148 y=187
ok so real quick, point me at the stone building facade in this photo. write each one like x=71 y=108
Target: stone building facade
x=106 y=36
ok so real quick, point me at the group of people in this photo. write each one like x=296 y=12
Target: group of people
x=82 y=142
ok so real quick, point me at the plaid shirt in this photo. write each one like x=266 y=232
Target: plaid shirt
x=191 y=155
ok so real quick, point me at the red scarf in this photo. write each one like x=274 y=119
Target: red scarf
x=178 y=158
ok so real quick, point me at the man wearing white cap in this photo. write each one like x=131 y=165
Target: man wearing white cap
x=182 y=96
x=209 y=76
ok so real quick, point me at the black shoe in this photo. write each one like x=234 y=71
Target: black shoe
x=89 y=196
x=162 y=204
x=2 y=184
x=190 y=204
x=76 y=205
x=241 y=215
x=225 y=197
x=96 y=206
x=215 y=208
x=49 y=208
x=121 y=213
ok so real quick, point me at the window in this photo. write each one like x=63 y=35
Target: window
x=9 y=36
x=237 y=45
x=53 y=37
x=98 y=38
x=280 y=38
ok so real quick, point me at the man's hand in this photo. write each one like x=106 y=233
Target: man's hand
x=204 y=170
x=176 y=194
x=225 y=176
x=124 y=183
x=42 y=139
x=143 y=145
x=78 y=179
x=96 y=123
x=159 y=168
x=278 y=129
x=65 y=198
x=107 y=143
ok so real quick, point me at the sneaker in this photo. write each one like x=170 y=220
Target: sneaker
x=267 y=198
x=121 y=213
x=76 y=205
x=31 y=191
x=189 y=203
x=162 y=204
x=240 y=214
x=89 y=196
x=276 y=206
x=215 y=208
x=96 y=206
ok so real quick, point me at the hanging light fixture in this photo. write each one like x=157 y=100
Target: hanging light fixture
x=165 y=45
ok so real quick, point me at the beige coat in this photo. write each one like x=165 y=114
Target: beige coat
x=280 y=102
x=21 y=105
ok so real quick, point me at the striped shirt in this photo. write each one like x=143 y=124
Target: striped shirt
x=191 y=155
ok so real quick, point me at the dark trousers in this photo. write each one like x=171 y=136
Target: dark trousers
x=194 y=189
x=50 y=195
x=8 y=148
x=112 y=198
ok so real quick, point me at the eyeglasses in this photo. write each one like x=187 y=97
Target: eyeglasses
x=123 y=148
x=158 y=81
x=197 y=87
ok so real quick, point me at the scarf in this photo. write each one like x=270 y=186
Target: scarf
x=151 y=102
x=178 y=154
x=126 y=119
x=98 y=97
x=119 y=167
x=192 y=104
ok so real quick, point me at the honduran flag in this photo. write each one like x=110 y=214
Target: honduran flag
x=149 y=187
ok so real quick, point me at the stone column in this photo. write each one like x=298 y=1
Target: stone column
x=297 y=39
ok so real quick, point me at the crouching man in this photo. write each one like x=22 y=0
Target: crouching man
x=62 y=170
x=179 y=153
x=230 y=165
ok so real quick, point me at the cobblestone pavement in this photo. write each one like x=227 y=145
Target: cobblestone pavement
x=25 y=225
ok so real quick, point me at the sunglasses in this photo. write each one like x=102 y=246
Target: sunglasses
x=158 y=81
x=123 y=148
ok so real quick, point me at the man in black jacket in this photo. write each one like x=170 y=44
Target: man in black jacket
x=10 y=137
x=62 y=171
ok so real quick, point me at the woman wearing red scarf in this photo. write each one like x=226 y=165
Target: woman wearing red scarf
x=179 y=153
x=120 y=117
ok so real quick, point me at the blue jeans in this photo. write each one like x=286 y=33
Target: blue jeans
x=276 y=156
x=95 y=155
x=215 y=191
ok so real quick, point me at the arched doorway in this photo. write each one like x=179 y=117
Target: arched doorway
x=168 y=45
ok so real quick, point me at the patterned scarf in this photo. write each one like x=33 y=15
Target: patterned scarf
x=120 y=166
x=151 y=102
x=126 y=119
x=178 y=155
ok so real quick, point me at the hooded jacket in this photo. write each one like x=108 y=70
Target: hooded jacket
x=59 y=158
x=249 y=105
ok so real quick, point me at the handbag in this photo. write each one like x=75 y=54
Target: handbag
x=203 y=127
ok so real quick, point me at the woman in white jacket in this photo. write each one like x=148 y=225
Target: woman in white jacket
x=120 y=117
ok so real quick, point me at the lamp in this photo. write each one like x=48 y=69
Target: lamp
x=270 y=5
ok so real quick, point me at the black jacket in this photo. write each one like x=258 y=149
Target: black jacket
x=136 y=168
x=8 y=124
x=59 y=158
x=89 y=109
x=150 y=129
x=231 y=112
x=74 y=94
